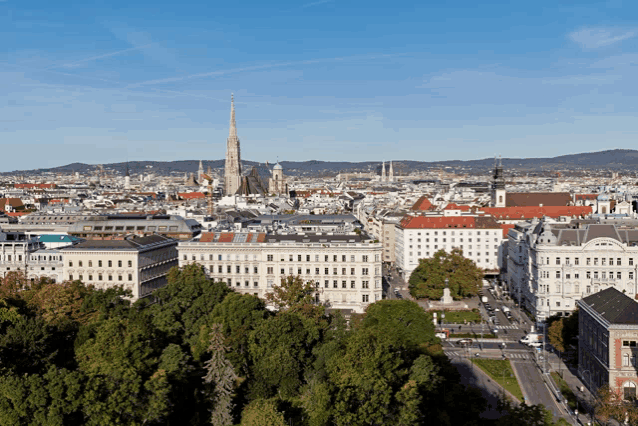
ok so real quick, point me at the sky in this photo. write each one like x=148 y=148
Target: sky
x=332 y=80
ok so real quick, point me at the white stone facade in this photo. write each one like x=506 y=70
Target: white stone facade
x=480 y=244
x=347 y=274
x=138 y=264
x=551 y=267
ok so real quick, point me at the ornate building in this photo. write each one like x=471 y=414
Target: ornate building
x=498 y=186
x=232 y=170
x=277 y=183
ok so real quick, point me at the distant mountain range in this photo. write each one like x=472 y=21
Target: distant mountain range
x=617 y=159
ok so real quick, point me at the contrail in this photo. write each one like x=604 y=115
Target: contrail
x=106 y=55
x=257 y=67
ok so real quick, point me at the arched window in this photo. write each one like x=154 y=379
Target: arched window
x=625 y=360
x=629 y=390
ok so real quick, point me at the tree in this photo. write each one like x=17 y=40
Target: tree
x=280 y=349
x=262 y=412
x=555 y=335
x=220 y=373
x=402 y=319
x=292 y=293
x=428 y=279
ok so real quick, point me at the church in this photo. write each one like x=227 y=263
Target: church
x=234 y=182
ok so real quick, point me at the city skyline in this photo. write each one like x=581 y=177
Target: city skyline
x=320 y=80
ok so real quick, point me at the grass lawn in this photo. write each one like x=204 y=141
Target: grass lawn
x=500 y=370
x=460 y=317
x=565 y=390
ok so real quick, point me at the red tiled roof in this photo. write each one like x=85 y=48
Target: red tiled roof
x=207 y=237
x=586 y=196
x=13 y=202
x=529 y=199
x=34 y=185
x=454 y=206
x=529 y=212
x=414 y=222
x=506 y=227
x=422 y=204
x=226 y=237
x=191 y=195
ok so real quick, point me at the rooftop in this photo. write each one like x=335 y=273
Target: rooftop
x=614 y=306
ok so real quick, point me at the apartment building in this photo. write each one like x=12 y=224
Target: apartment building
x=346 y=267
x=608 y=338
x=419 y=237
x=15 y=248
x=552 y=265
x=139 y=264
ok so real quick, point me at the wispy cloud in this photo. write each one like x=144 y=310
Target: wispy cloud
x=95 y=58
x=260 y=67
x=315 y=3
x=594 y=38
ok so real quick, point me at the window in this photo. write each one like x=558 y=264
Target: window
x=364 y=284
x=335 y=284
x=99 y=263
x=576 y=276
x=326 y=283
x=557 y=274
x=631 y=261
x=326 y=271
x=70 y=264
x=364 y=258
x=619 y=262
x=130 y=277
x=567 y=261
x=364 y=271
x=99 y=277
x=119 y=263
x=365 y=298
x=298 y=258
x=588 y=274
x=326 y=258
x=595 y=261
x=558 y=260
x=298 y=271
x=352 y=284
x=352 y=256
x=588 y=262
x=576 y=261
x=283 y=271
x=603 y=261
x=130 y=263
x=119 y=278
x=219 y=268
x=90 y=263
x=344 y=284
x=270 y=270
x=256 y=284
x=110 y=263
x=618 y=275
x=334 y=271
x=255 y=270
x=334 y=258
x=110 y=277
x=625 y=360
x=71 y=277
x=631 y=275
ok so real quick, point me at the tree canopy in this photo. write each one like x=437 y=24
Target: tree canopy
x=428 y=278
x=202 y=354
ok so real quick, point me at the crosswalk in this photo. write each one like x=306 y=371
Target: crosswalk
x=506 y=327
x=513 y=355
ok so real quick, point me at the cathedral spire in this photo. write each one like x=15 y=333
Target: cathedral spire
x=233 y=126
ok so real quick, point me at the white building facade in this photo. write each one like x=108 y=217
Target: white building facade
x=345 y=268
x=553 y=265
x=419 y=237
x=139 y=264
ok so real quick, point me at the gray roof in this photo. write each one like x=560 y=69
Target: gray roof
x=614 y=306
x=134 y=243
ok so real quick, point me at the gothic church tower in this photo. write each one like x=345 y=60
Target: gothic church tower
x=232 y=170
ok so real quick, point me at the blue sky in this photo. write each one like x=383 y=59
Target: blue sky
x=346 y=80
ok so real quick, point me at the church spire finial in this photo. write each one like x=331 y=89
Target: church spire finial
x=233 y=126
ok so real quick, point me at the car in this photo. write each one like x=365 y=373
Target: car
x=497 y=310
x=464 y=342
